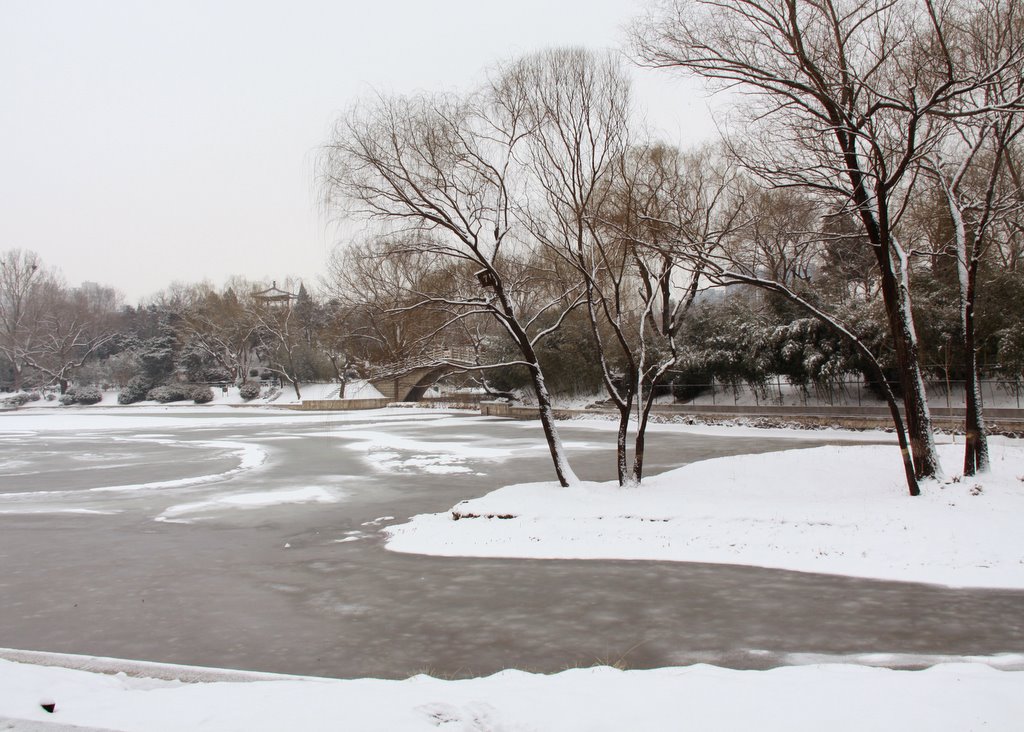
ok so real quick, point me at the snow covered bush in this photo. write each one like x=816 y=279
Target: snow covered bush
x=181 y=392
x=34 y=396
x=17 y=400
x=202 y=394
x=170 y=393
x=82 y=395
x=134 y=391
x=88 y=395
x=217 y=373
x=249 y=390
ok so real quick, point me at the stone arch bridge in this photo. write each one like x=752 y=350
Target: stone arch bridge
x=407 y=381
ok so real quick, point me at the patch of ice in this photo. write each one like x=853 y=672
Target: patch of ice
x=260 y=499
x=377 y=521
x=377 y=442
x=249 y=457
x=35 y=510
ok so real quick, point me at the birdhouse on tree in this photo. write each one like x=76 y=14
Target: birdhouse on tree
x=486 y=278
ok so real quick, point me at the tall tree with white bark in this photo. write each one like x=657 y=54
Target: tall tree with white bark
x=973 y=170
x=842 y=100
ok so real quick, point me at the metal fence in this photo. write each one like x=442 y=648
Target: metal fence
x=850 y=392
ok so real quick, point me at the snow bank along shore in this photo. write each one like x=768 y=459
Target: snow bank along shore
x=837 y=510
x=813 y=698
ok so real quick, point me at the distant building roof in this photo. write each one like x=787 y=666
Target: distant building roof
x=275 y=294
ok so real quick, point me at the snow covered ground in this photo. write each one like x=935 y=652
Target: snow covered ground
x=825 y=697
x=837 y=510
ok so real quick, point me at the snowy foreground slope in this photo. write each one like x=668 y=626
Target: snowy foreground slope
x=837 y=697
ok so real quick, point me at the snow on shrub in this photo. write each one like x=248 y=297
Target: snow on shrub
x=34 y=396
x=170 y=393
x=249 y=390
x=134 y=391
x=181 y=392
x=88 y=395
x=202 y=394
x=18 y=400
x=82 y=395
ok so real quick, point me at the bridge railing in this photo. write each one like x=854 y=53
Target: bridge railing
x=432 y=358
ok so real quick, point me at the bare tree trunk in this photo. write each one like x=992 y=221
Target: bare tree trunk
x=896 y=296
x=621 y=468
x=641 y=434
x=901 y=431
x=976 y=458
x=563 y=471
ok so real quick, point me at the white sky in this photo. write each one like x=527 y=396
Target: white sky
x=147 y=142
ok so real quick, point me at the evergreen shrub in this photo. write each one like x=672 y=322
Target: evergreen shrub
x=82 y=395
x=170 y=393
x=249 y=390
x=134 y=391
x=202 y=394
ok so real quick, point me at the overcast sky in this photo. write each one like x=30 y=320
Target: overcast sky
x=147 y=142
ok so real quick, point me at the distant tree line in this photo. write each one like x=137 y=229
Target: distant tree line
x=361 y=318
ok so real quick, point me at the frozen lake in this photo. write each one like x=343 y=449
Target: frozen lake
x=249 y=539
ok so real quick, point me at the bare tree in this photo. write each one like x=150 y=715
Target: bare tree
x=376 y=281
x=972 y=169
x=576 y=111
x=842 y=100
x=442 y=170
x=281 y=341
x=219 y=325
x=668 y=213
x=71 y=326
x=22 y=282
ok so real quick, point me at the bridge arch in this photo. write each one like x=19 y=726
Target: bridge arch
x=409 y=380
